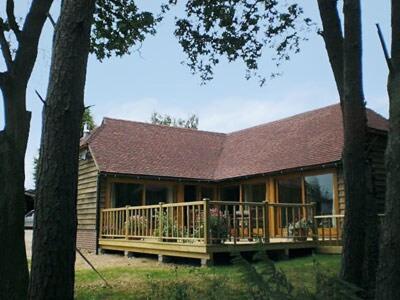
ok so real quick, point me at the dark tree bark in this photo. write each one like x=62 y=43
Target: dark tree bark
x=52 y=275
x=388 y=278
x=354 y=158
x=333 y=38
x=13 y=141
x=360 y=241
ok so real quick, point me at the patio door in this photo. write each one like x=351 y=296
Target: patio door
x=319 y=190
x=288 y=190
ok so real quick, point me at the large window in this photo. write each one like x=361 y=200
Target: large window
x=289 y=190
x=206 y=193
x=319 y=189
x=126 y=194
x=254 y=192
x=156 y=194
x=230 y=193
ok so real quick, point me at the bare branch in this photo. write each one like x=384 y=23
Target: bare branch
x=11 y=19
x=5 y=47
x=333 y=37
x=3 y=77
x=40 y=97
x=51 y=20
x=384 y=48
x=26 y=54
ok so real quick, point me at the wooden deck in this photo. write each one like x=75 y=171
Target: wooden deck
x=202 y=228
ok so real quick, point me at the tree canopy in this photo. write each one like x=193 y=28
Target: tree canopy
x=191 y=122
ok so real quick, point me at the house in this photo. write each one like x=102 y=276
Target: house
x=183 y=192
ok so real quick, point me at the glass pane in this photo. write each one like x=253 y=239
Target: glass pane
x=206 y=192
x=289 y=190
x=126 y=194
x=156 y=194
x=254 y=192
x=230 y=193
x=319 y=189
x=190 y=193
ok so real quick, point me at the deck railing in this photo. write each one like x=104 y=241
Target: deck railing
x=210 y=222
x=293 y=220
x=330 y=228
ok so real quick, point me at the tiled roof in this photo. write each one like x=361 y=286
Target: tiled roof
x=307 y=139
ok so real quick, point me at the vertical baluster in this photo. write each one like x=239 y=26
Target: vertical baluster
x=206 y=208
x=257 y=228
x=188 y=221
x=234 y=224
x=287 y=219
x=183 y=221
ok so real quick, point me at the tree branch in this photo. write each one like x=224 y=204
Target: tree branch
x=11 y=19
x=333 y=37
x=3 y=76
x=384 y=48
x=5 y=47
x=28 y=46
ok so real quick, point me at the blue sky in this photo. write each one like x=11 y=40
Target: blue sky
x=134 y=86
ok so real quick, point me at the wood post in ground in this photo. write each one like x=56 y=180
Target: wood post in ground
x=207 y=262
x=163 y=258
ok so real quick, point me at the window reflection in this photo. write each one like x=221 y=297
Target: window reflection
x=319 y=189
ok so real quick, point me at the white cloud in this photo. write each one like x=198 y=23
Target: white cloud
x=223 y=114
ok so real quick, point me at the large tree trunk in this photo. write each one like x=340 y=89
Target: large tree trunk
x=360 y=234
x=52 y=275
x=388 y=279
x=354 y=154
x=13 y=140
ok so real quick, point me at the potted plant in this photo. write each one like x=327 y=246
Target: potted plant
x=300 y=229
x=218 y=226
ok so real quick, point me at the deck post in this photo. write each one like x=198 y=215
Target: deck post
x=266 y=222
x=206 y=206
x=314 y=223
x=126 y=221
x=101 y=224
x=160 y=221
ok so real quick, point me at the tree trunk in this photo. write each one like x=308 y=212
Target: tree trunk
x=388 y=279
x=54 y=242
x=13 y=140
x=360 y=227
x=354 y=154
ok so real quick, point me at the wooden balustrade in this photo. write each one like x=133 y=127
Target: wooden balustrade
x=330 y=227
x=293 y=221
x=232 y=222
x=165 y=222
x=210 y=222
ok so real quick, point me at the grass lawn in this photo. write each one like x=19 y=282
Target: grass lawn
x=219 y=282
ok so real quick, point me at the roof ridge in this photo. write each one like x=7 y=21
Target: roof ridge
x=285 y=118
x=165 y=126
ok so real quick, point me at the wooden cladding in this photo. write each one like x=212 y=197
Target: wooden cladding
x=87 y=195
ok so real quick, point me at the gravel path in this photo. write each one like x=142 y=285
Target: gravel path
x=99 y=261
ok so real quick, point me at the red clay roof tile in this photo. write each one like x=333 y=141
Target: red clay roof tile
x=307 y=139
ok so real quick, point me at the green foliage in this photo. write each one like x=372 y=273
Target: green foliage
x=264 y=281
x=191 y=122
x=332 y=287
x=35 y=169
x=87 y=119
x=119 y=25
x=239 y=30
x=206 y=286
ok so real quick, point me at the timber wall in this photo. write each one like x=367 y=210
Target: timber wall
x=376 y=154
x=377 y=147
x=87 y=204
